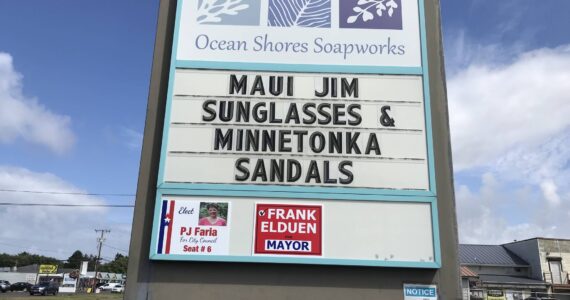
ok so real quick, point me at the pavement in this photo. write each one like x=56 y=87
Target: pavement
x=16 y=295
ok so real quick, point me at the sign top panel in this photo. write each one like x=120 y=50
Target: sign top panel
x=309 y=32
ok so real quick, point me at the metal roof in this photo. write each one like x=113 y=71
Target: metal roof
x=513 y=280
x=491 y=255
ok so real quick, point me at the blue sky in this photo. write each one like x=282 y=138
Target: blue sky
x=74 y=79
x=88 y=62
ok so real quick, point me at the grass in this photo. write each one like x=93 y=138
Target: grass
x=70 y=297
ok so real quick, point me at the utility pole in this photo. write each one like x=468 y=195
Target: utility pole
x=100 y=240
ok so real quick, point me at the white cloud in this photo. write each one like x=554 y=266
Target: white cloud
x=496 y=214
x=509 y=123
x=53 y=231
x=549 y=192
x=25 y=118
x=547 y=160
x=494 y=109
x=546 y=166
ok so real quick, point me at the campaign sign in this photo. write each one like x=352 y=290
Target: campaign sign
x=193 y=228
x=420 y=292
x=288 y=229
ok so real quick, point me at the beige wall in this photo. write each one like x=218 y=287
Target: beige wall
x=554 y=248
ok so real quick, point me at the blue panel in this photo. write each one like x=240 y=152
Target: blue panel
x=287 y=195
x=294 y=189
x=291 y=259
x=435 y=228
x=161 y=229
x=427 y=98
x=429 y=134
x=300 y=260
x=170 y=91
x=155 y=224
x=297 y=68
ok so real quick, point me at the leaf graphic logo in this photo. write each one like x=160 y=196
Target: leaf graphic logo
x=371 y=14
x=300 y=13
x=229 y=12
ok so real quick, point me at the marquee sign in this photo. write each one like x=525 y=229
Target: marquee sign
x=297 y=129
x=282 y=118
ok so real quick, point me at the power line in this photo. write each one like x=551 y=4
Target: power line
x=65 y=193
x=109 y=246
x=65 y=205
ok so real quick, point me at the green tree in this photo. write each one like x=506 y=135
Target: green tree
x=118 y=265
x=25 y=259
x=74 y=261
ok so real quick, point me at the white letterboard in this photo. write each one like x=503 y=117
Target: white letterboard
x=255 y=131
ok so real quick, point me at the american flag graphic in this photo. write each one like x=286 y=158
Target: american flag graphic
x=165 y=231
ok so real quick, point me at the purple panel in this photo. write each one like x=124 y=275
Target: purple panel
x=371 y=14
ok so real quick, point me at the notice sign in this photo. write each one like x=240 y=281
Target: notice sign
x=420 y=292
x=288 y=229
x=193 y=227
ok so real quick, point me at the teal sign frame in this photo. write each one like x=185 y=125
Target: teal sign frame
x=297 y=192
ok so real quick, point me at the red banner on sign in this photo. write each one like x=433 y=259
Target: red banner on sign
x=288 y=229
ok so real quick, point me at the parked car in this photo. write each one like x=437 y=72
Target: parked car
x=100 y=284
x=118 y=289
x=44 y=288
x=109 y=286
x=20 y=286
x=4 y=286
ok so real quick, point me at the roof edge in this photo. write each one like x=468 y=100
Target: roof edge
x=490 y=265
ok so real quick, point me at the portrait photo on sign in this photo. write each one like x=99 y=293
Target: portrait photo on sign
x=213 y=214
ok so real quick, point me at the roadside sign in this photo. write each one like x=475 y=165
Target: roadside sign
x=47 y=269
x=335 y=109
x=329 y=110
